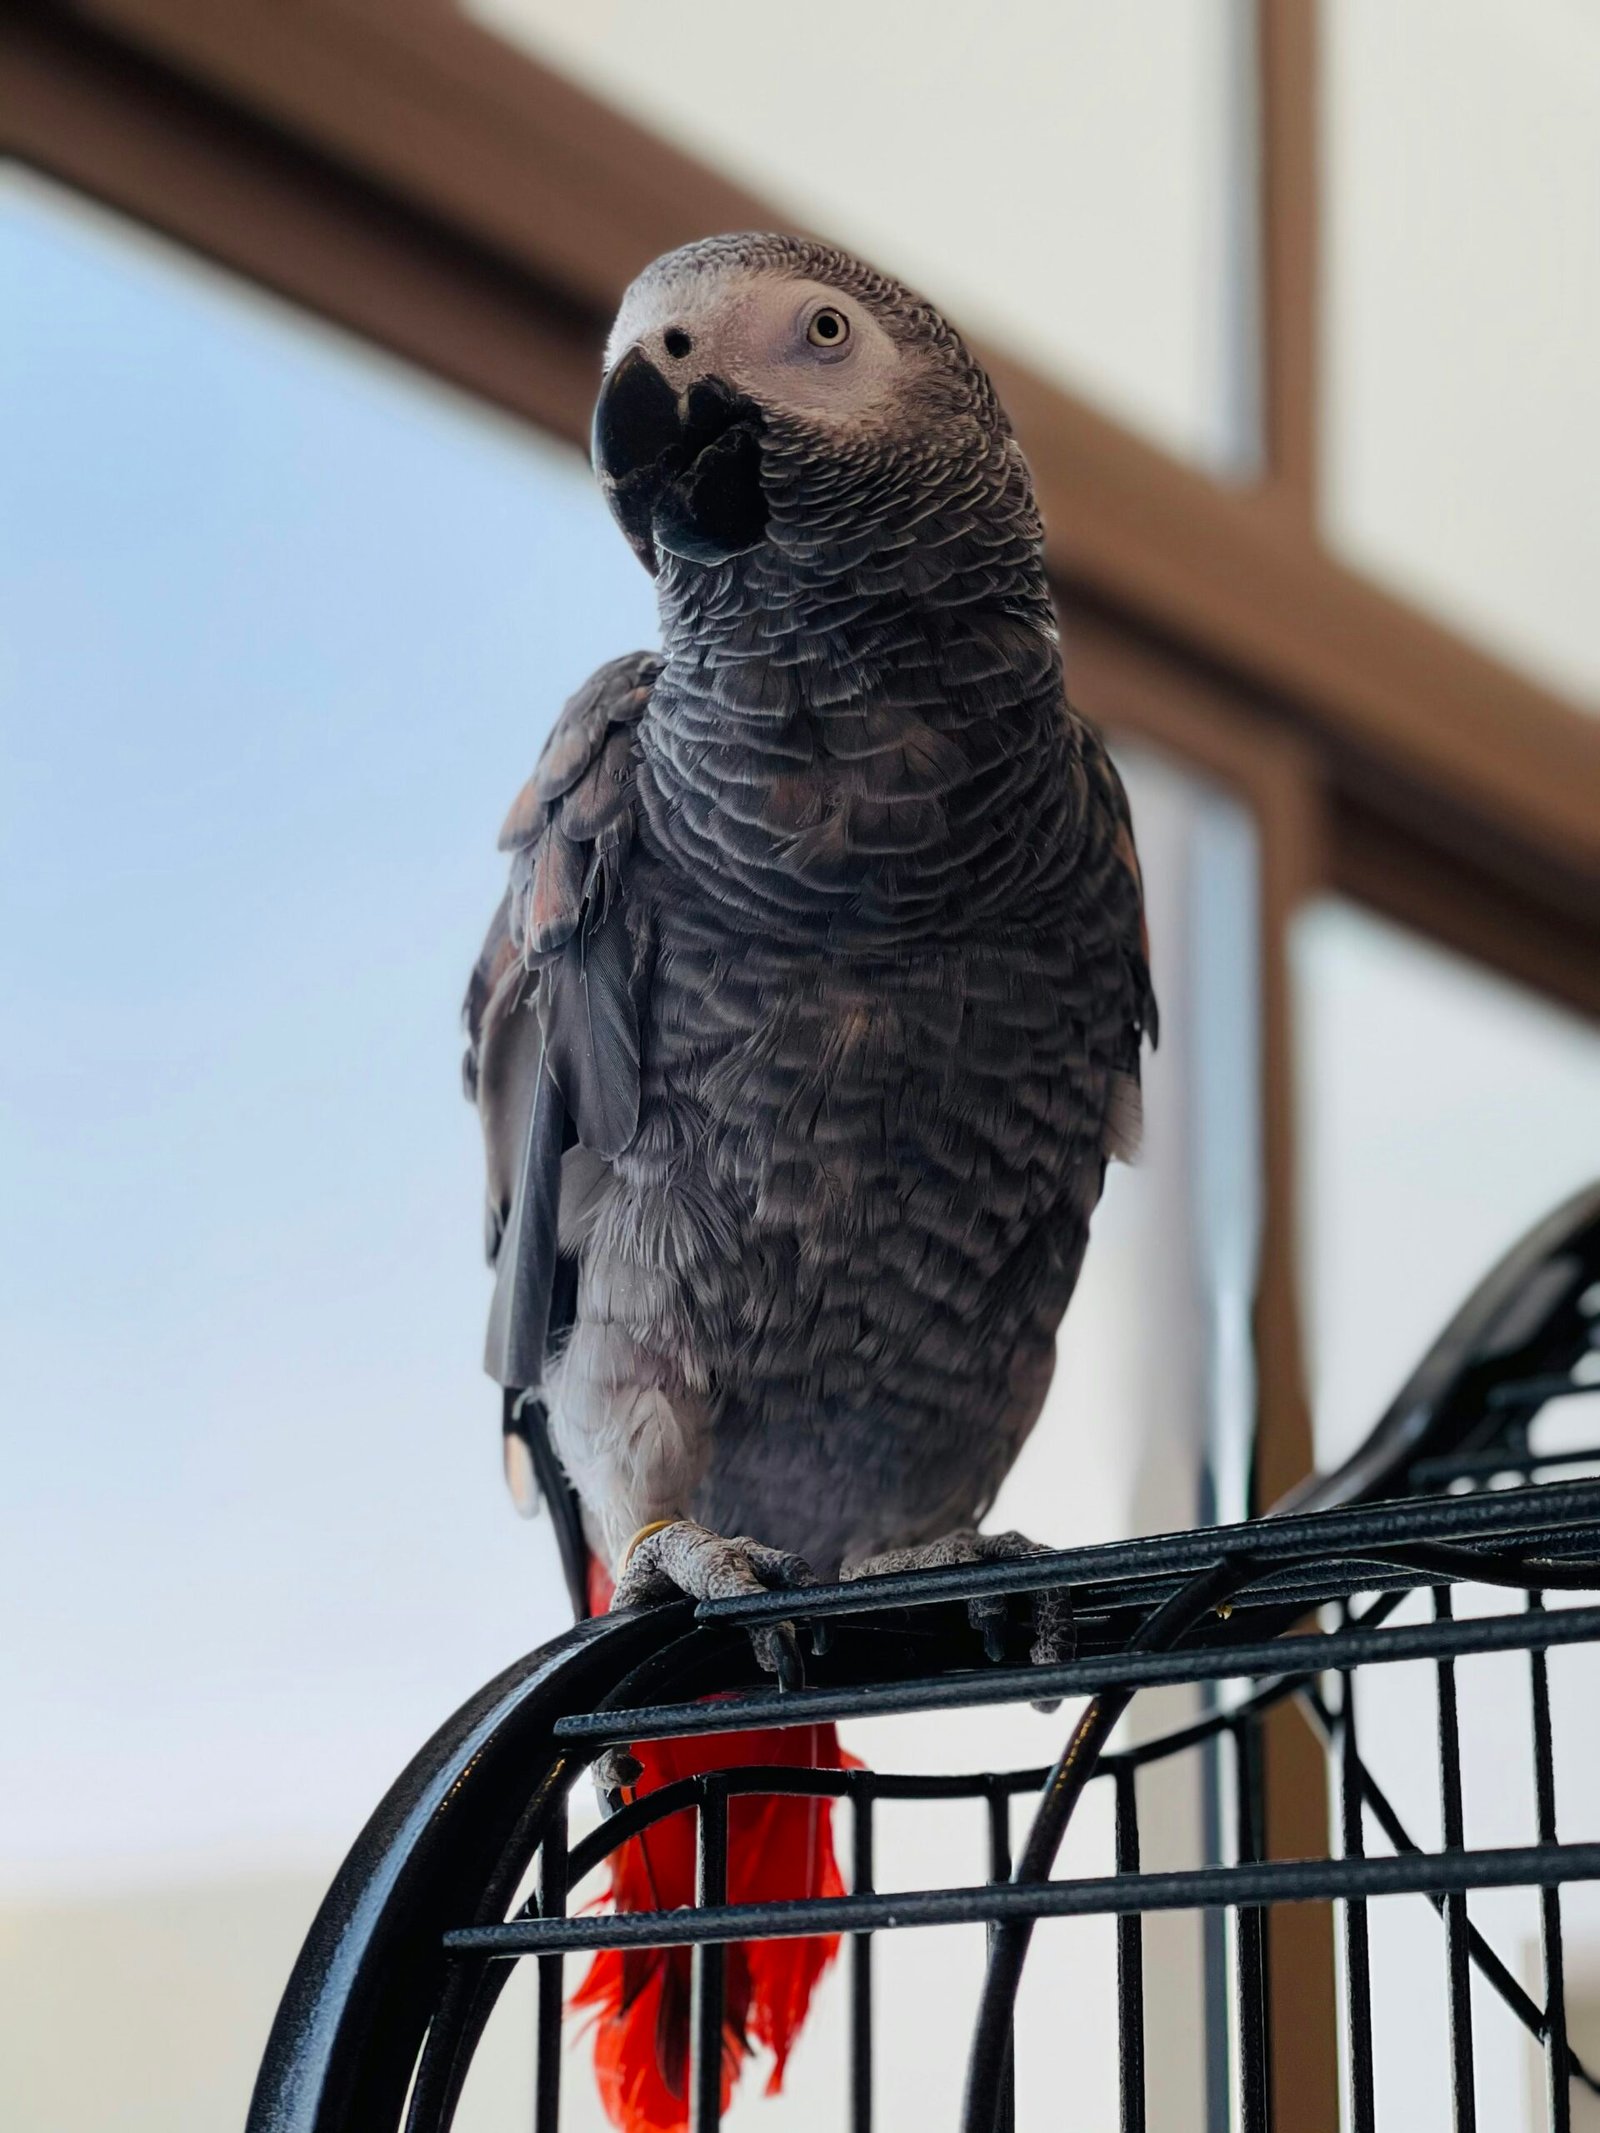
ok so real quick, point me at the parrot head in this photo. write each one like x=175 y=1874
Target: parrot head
x=766 y=391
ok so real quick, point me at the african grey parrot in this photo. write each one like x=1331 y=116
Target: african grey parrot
x=814 y=1008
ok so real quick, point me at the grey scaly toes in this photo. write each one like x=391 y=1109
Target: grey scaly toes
x=1054 y=1639
x=616 y=1771
x=689 y=1559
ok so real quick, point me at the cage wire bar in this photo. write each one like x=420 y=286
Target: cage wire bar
x=419 y=1933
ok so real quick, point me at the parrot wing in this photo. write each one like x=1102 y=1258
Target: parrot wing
x=552 y=1019
x=1124 y=1010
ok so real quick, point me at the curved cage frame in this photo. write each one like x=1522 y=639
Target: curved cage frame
x=414 y=1942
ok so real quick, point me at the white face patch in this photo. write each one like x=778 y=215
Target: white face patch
x=756 y=330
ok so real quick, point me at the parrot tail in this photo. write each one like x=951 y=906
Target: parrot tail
x=779 y=1848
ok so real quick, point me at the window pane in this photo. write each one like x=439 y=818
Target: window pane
x=1462 y=316
x=285 y=626
x=1071 y=179
x=1442 y=1112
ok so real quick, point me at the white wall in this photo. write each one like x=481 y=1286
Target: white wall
x=1461 y=316
x=146 y=2010
x=1072 y=179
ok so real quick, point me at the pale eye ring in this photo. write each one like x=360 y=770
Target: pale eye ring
x=829 y=328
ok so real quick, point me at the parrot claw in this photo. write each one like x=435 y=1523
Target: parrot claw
x=684 y=1558
x=616 y=1771
x=786 y=1661
x=1054 y=1638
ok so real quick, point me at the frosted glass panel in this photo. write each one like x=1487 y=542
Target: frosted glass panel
x=1070 y=178
x=1442 y=1112
x=1462 y=316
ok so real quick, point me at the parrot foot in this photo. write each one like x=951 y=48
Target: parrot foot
x=1054 y=1637
x=616 y=1771
x=689 y=1559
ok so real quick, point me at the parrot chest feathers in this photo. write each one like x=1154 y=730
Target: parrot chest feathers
x=928 y=805
x=807 y=1030
x=886 y=1025
x=841 y=1238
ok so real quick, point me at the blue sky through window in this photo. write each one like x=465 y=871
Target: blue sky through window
x=284 y=626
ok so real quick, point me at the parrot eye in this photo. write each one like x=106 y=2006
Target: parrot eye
x=828 y=329
x=676 y=341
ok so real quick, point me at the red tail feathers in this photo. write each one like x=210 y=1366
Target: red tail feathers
x=777 y=1848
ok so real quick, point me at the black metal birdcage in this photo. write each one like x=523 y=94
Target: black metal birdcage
x=1453 y=1489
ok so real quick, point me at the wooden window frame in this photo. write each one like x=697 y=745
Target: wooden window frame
x=402 y=172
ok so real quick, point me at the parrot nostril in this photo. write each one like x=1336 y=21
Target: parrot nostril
x=676 y=341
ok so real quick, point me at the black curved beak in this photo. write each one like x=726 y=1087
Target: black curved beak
x=680 y=473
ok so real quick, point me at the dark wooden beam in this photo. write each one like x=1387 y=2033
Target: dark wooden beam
x=1287 y=56
x=1441 y=892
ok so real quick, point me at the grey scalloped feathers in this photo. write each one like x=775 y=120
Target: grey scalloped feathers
x=815 y=1006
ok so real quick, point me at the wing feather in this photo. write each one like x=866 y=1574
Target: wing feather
x=552 y=1007
x=1124 y=1006
x=592 y=1034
